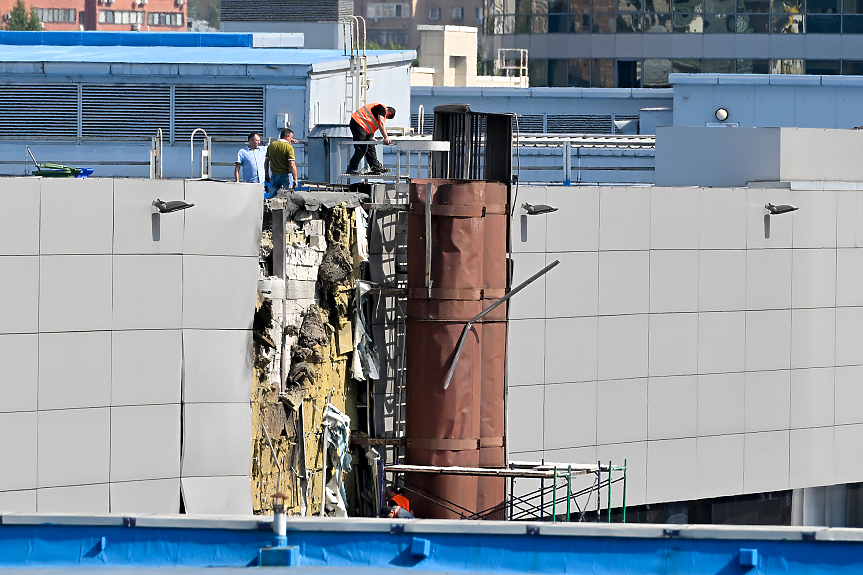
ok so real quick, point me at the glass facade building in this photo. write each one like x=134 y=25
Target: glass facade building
x=635 y=43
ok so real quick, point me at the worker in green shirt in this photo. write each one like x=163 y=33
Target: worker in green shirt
x=281 y=158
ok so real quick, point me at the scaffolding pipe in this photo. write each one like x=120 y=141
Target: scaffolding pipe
x=568 y=490
x=598 y=491
x=624 y=490
x=609 y=491
x=554 y=497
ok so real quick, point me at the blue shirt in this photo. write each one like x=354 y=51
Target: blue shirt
x=252 y=164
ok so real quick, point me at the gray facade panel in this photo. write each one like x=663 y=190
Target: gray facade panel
x=660 y=46
x=602 y=45
x=754 y=46
x=720 y=46
x=824 y=47
x=629 y=46
x=787 y=46
x=851 y=46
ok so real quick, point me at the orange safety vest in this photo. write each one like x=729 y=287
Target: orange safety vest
x=366 y=119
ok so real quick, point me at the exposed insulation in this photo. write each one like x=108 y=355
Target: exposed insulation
x=317 y=344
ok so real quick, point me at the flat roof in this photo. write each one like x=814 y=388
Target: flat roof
x=171 y=48
x=766 y=79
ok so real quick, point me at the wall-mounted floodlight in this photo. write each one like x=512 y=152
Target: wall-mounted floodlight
x=780 y=209
x=167 y=207
x=721 y=114
x=538 y=209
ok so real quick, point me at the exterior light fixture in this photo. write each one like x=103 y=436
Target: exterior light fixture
x=160 y=207
x=780 y=209
x=538 y=209
x=721 y=114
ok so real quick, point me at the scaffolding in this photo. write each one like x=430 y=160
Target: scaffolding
x=559 y=497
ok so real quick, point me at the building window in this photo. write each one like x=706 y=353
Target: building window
x=120 y=17
x=478 y=15
x=389 y=10
x=434 y=13
x=64 y=15
x=458 y=13
x=164 y=19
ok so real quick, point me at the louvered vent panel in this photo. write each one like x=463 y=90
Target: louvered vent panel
x=428 y=123
x=580 y=124
x=224 y=111
x=39 y=111
x=124 y=110
x=529 y=124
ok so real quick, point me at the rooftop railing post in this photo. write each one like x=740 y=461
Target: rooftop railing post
x=568 y=490
x=554 y=497
x=624 y=491
x=567 y=164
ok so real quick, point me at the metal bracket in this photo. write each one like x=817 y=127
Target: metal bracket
x=671 y=532
x=532 y=530
x=397 y=528
x=130 y=521
x=808 y=536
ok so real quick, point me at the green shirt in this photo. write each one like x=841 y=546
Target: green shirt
x=281 y=154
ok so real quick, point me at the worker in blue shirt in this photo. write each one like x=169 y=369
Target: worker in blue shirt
x=251 y=160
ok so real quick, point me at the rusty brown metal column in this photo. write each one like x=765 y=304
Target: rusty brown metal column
x=446 y=427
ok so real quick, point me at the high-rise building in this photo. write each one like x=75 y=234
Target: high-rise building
x=634 y=43
x=394 y=23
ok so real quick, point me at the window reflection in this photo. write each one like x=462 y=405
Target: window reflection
x=602 y=73
x=718 y=23
x=753 y=66
x=579 y=23
x=786 y=67
x=628 y=23
x=852 y=67
x=660 y=23
x=603 y=23
x=579 y=73
x=688 y=23
x=716 y=66
x=686 y=66
x=629 y=5
x=823 y=67
x=656 y=73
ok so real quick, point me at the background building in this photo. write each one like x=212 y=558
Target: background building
x=632 y=43
x=397 y=23
x=144 y=15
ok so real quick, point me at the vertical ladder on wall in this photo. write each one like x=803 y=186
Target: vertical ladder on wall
x=401 y=265
x=356 y=86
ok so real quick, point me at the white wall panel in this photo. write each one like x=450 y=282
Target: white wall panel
x=765 y=461
x=848 y=387
x=209 y=377
x=780 y=227
x=223 y=304
x=19 y=455
x=622 y=348
x=137 y=230
x=635 y=456
x=673 y=219
x=671 y=470
x=210 y=428
x=813 y=337
x=74 y=447
x=77 y=499
x=846 y=219
x=721 y=280
x=75 y=293
x=526 y=346
x=572 y=290
x=672 y=407
x=767 y=400
x=673 y=345
x=814 y=223
x=146 y=367
x=722 y=219
x=145 y=442
x=721 y=342
x=768 y=340
x=811 y=397
x=575 y=226
x=849 y=277
x=153 y=496
x=19 y=292
x=624 y=218
x=621 y=411
x=768 y=279
x=847 y=442
x=19 y=383
x=74 y=369
x=624 y=282
x=673 y=280
x=19 y=228
x=77 y=216
x=526 y=422
x=529 y=232
x=531 y=301
x=720 y=403
x=226 y=207
x=217 y=495
x=849 y=335
x=719 y=465
x=813 y=278
x=147 y=292
x=18 y=501
x=570 y=415
x=811 y=457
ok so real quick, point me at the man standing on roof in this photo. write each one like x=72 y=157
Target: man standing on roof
x=251 y=161
x=364 y=123
x=280 y=157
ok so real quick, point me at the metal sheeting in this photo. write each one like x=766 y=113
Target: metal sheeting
x=124 y=110
x=224 y=111
x=39 y=110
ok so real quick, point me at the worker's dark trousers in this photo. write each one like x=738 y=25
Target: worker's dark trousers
x=360 y=135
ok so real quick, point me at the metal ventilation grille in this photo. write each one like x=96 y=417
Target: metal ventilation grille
x=529 y=124
x=124 y=110
x=224 y=111
x=428 y=123
x=580 y=124
x=39 y=111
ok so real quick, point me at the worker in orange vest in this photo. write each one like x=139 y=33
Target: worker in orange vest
x=364 y=123
x=396 y=496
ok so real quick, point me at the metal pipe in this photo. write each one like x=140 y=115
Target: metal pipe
x=554 y=497
x=609 y=491
x=273 y=451
x=624 y=490
x=598 y=491
x=487 y=310
x=568 y=490
x=192 y=151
